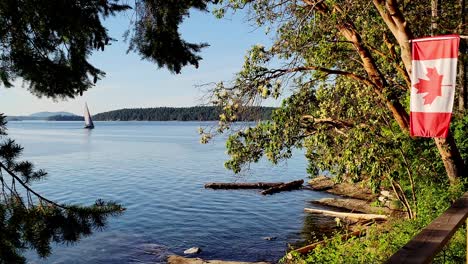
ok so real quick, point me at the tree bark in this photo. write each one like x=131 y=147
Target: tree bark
x=435 y=4
x=463 y=93
x=462 y=89
x=393 y=17
x=453 y=162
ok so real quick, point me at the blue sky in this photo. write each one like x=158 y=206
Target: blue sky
x=131 y=82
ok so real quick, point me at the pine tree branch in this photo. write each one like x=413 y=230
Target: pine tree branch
x=29 y=188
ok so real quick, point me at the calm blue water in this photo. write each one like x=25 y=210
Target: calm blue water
x=157 y=171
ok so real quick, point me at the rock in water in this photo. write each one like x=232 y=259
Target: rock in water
x=193 y=250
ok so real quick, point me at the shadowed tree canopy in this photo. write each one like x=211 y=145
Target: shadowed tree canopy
x=155 y=35
x=47 y=44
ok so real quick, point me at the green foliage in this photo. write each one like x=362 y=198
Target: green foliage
x=31 y=221
x=380 y=242
x=460 y=132
x=274 y=139
x=333 y=107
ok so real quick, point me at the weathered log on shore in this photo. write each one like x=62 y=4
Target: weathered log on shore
x=173 y=259
x=241 y=185
x=354 y=205
x=324 y=183
x=347 y=215
x=294 y=185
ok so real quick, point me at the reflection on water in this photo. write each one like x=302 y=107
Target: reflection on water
x=315 y=228
x=157 y=170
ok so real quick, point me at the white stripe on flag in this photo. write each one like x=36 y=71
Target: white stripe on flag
x=443 y=103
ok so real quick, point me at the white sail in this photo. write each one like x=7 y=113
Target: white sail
x=87 y=118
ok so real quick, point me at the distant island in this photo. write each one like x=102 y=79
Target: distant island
x=195 y=113
x=51 y=116
x=65 y=118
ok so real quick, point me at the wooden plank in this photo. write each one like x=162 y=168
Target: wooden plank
x=430 y=241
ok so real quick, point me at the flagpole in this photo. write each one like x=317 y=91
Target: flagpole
x=412 y=40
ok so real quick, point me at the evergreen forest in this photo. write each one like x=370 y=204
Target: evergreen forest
x=196 y=113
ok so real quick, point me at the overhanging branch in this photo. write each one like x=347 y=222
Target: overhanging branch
x=18 y=179
x=272 y=74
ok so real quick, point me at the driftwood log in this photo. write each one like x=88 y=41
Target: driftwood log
x=242 y=185
x=268 y=187
x=294 y=185
x=347 y=215
x=306 y=249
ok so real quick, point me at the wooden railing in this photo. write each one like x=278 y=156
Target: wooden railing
x=431 y=240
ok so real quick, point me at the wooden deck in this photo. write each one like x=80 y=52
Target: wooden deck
x=430 y=241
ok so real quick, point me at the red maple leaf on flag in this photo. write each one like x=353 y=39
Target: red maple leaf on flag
x=433 y=86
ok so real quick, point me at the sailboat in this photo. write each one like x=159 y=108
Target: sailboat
x=87 y=117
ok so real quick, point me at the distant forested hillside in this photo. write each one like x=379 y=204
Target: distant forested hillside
x=196 y=113
x=65 y=118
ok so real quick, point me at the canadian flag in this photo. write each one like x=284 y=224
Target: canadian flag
x=433 y=79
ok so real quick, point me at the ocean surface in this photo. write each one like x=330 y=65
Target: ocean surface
x=157 y=170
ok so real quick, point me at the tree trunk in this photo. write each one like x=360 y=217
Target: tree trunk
x=435 y=4
x=462 y=61
x=462 y=93
x=451 y=157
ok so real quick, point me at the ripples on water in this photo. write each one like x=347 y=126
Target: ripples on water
x=157 y=170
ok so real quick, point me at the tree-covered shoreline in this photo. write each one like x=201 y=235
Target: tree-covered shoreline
x=195 y=113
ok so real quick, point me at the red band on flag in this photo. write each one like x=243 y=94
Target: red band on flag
x=434 y=48
x=433 y=79
x=429 y=124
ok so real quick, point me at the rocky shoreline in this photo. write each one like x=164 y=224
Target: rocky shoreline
x=355 y=198
x=352 y=198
